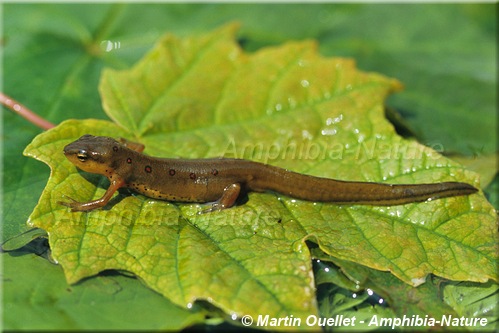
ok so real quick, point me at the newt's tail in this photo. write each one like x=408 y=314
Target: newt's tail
x=318 y=189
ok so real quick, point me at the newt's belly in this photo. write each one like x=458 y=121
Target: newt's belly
x=201 y=189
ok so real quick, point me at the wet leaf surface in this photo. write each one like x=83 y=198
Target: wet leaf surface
x=54 y=55
x=268 y=106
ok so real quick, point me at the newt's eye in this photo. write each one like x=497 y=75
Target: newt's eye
x=82 y=155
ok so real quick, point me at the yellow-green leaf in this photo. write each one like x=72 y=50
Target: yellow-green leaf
x=287 y=106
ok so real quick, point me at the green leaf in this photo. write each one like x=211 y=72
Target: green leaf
x=285 y=106
x=106 y=302
x=485 y=165
x=21 y=240
x=473 y=300
x=434 y=299
x=40 y=42
x=450 y=85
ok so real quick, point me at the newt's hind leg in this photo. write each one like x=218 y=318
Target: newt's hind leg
x=227 y=200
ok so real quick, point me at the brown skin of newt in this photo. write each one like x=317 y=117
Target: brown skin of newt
x=221 y=180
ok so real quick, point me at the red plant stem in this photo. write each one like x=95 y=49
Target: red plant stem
x=24 y=112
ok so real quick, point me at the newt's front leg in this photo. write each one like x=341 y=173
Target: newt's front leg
x=138 y=147
x=91 y=205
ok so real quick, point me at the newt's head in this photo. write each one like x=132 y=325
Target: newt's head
x=93 y=153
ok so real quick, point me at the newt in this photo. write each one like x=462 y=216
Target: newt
x=220 y=181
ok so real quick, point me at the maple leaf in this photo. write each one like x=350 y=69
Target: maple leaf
x=287 y=106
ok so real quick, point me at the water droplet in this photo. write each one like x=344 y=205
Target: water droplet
x=326 y=269
x=304 y=83
x=233 y=55
x=381 y=301
x=189 y=305
x=53 y=260
x=306 y=135
x=278 y=107
x=302 y=63
x=106 y=45
x=354 y=295
x=416 y=282
x=330 y=121
x=370 y=292
x=422 y=222
x=297 y=247
x=331 y=131
x=233 y=316
x=284 y=132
